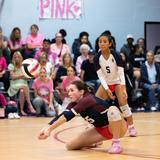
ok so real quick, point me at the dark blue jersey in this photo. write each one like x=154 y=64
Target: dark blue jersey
x=92 y=109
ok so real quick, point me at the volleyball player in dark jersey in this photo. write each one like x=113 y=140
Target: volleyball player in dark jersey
x=106 y=119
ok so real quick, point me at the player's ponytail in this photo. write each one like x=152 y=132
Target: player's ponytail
x=83 y=86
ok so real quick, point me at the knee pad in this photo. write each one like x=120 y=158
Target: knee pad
x=126 y=111
x=114 y=114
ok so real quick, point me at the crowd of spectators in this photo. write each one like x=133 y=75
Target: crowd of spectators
x=61 y=64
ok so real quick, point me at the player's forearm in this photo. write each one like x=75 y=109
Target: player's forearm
x=57 y=123
x=102 y=79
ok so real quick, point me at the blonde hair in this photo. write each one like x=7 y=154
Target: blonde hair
x=16 y=65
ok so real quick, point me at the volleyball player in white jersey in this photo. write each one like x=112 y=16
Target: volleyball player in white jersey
x=110 y=71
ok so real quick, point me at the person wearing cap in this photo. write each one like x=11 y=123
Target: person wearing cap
x=128 y=48
x=88 y=73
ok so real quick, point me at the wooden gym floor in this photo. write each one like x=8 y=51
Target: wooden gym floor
x=18 y=140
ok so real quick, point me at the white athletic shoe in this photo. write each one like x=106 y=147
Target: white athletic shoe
x=16 y=115
x=10 y=116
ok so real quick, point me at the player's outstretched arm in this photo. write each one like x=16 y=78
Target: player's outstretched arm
x=46 y=131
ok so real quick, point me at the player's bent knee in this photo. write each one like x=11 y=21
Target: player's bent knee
x=114 y=114
x=70 y=146
x=126 y=111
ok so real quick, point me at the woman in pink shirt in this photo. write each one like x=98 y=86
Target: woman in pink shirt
x=58 y=47
x=71 y=76
x=43 y=90
x=34 y=41
x=15 y=42
x=4 y=75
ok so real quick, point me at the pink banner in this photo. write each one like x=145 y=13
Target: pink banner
x=60 y=9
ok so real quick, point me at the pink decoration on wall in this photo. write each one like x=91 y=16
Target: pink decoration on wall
x=43 y=4
x=60 y=9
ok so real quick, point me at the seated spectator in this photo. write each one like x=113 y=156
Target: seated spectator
x=34 y=42
x=4 y=46
x=43 y=90
x=88 y=73
x=150 y=81
x=18 y=83
x=83 y=39
x=136 y=60
x=141 y=44
x=3 y=104
x=45 y=63
x=128 y=48
x=16 y=43
x=67 y=80
x=157 y=50
x=59 y=48
x=4 y=74
x=62 y=69
x=84 y=49
x=52 y=57
x=64 y=34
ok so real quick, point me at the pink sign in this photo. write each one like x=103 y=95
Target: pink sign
x=60 y=9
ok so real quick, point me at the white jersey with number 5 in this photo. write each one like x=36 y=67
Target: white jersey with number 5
x=110 y=71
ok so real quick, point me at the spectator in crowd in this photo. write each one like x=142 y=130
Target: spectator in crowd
x=84 y=49
x=157 y=50
x=4 y=46
x=128 y=48
x=83 y=39
x=34 y=41
x=43 y=90
x=136 y=60
x=45 y=63
x=141 y=44
x=59 y=48
x=67 y=80
x=52 y=57
x=4 y=74
x=16 y=43
x=62 y=70
x=3 y=104
x=64 y=34
x=18 y=83
x=150 y=81
x=88 y=73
